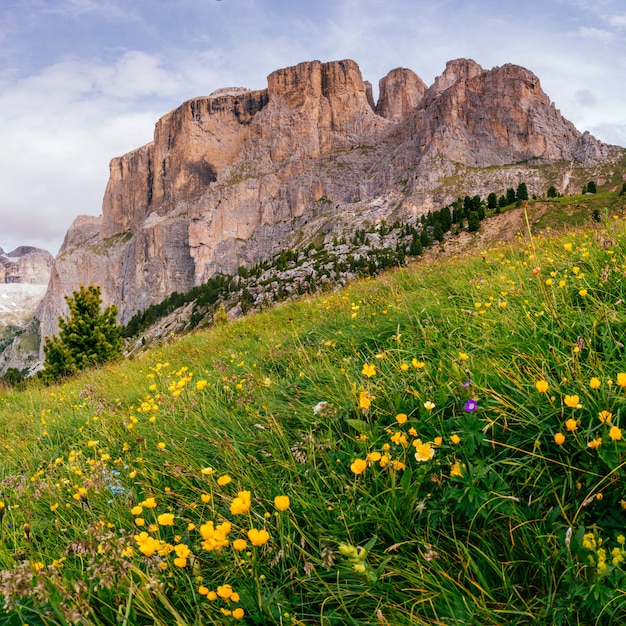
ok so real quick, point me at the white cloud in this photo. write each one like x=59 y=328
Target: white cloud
x=596 y=34
x=617 y=20
x=61 y=129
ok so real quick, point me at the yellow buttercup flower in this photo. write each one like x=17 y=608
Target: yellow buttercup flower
x=594 y=383
x=241 y=504
x=358 y=466
x=223 y=480
x=542 y=386
x=559 y=438
x=240 y=544
x=423 y=451
x=621 y=379
x=605 y=416
x=364 y=400
x=615 y=433
x=368 y=370
x=401 y=418
x=166 y=519
x=455 y=470
x=572 y=402
x=258 y=537
x=455 y=439
x=281 y=503
x=571 y=425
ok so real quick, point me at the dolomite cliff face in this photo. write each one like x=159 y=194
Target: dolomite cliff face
x=25 y=265
x=232 y=178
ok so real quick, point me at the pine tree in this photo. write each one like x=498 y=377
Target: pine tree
x=473 y=222
x=510 y=196
x=86 y=338
x=522 y=192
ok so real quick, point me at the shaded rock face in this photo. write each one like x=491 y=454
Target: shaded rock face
x=400 y=93
x=25 y=265
x=232 y=178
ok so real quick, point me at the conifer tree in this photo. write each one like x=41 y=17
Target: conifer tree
x=473 y=222
x=87 y=337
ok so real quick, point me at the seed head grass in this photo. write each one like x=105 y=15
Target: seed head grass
x=441 y=445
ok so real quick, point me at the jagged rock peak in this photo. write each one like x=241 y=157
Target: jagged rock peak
x=456 y=70
x=229 y=91
x=400 y=93
x=26 y=265
x=313 y=79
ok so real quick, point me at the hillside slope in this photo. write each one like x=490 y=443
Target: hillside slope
x=442 y=445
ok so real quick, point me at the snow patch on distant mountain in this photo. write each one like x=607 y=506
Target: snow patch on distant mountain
x=18 y=302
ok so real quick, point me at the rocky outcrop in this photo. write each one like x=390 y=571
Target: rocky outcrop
x=484 y=118
x=25 y=265
x=232 y=178
x=400 y=93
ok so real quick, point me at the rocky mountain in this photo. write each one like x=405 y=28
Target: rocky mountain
x=24 y=275
x=25 y=265
x=234 y=177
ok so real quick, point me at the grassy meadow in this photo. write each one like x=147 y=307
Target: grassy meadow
x=440 y=445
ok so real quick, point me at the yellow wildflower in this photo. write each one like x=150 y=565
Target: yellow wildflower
x=605 y=416
x=615 y=433
x=258 y=537
x=621 y=379
x=423 y=451
x=166 y=519
x=594 y=383
x=542 y=386
x=223 y=480
x=573 y=402
x=595 y=443
x=281 y=503
x=559 y=438
x=240 y=544
x=571 y=425
x=364 y=400
x=358 y=466
x=241 y=504
x=368 y=370
x=456 y=471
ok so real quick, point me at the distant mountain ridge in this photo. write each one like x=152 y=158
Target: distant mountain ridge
x=26 y=265
x=232 y=178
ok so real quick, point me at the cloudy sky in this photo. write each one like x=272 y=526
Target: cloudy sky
x=82 y=81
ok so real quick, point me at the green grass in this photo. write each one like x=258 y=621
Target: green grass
x=408 y=504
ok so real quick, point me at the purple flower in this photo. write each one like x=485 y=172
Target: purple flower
x=471 y=405
x=467 y=384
